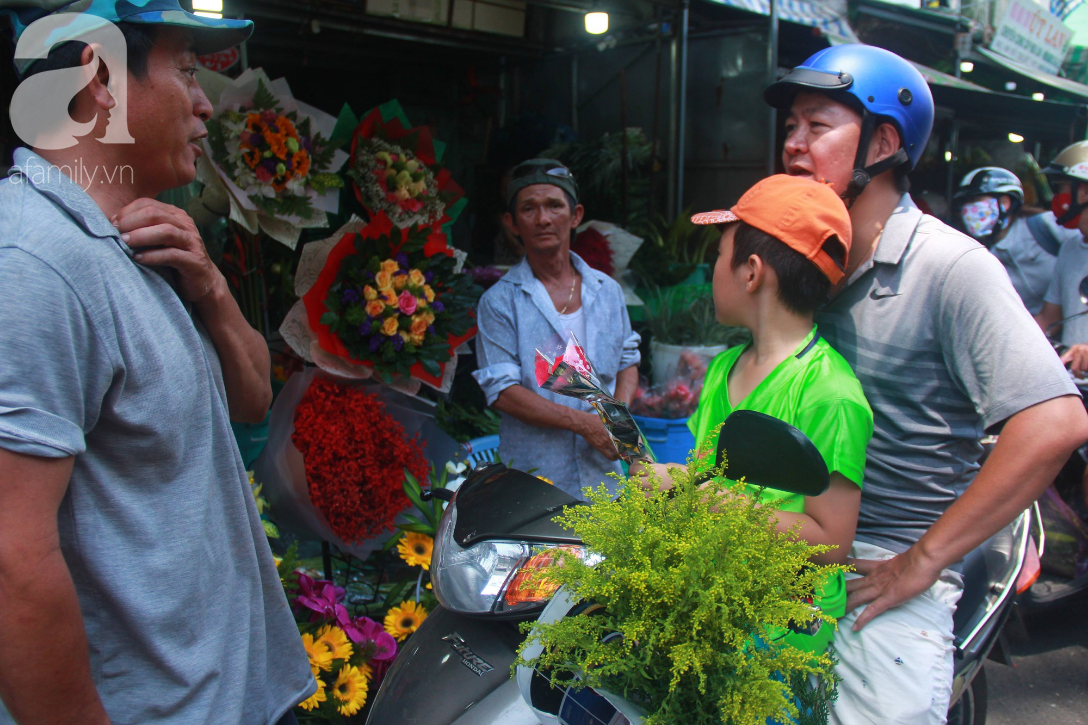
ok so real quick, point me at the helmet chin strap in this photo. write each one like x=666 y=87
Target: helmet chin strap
x=1074 y=209
x=862 y=174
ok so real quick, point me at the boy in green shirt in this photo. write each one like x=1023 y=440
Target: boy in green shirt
x=784 y=245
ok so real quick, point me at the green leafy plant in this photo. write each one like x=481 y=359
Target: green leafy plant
x=686 y=316
x=683 y=240
x=696 y=584
x=465 y=422
x=429 y=512
x=597 y=165
x=672 y=249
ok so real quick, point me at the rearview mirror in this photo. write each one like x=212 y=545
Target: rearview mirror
x=766 y=451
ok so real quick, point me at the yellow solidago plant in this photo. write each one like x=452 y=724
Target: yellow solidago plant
x=694 y=582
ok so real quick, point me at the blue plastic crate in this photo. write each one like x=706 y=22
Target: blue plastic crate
x=670 y=440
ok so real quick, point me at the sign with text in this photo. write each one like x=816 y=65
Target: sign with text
x=1031 y=35
x=220 y=61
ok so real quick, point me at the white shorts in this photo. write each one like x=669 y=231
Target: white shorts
x=898 y=669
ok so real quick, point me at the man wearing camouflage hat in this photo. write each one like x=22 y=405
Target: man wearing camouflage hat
x=135 y=578
x=552 y=290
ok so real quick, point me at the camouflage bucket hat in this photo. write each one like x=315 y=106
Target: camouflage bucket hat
x=209 y=34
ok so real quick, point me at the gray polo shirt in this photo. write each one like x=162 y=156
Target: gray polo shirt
x=101 y=360
x=944 y=349
x=1031 y=265
x=1064 y=290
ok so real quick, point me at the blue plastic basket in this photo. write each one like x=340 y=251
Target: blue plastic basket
x=481 y=450
x=670 y=440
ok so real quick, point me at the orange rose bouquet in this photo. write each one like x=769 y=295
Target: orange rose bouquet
x=386 y=302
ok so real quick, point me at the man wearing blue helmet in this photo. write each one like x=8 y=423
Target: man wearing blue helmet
x=136 y=582
x=945 y=351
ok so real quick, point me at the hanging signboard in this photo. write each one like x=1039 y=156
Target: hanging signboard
x=1031 y=35
x=220 y=61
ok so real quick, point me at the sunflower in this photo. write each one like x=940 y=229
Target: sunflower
x=416 y=549
x=338 y=643
x=316 y=698
x=319 y=653
x=350 y=690
x=403 y=620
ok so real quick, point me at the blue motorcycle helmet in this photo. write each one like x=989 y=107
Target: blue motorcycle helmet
x=878 y=83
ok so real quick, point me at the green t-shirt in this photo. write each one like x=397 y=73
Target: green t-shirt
x=815 y=391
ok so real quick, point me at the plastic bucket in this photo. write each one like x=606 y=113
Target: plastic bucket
x=670 y=440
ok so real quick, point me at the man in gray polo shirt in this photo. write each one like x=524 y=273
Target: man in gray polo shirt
x=136 y=583
x=945 y=351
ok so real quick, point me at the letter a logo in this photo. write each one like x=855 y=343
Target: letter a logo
x=39 y=107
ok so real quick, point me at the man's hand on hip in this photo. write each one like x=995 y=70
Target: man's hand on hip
x=886 y=584
x=163 y=235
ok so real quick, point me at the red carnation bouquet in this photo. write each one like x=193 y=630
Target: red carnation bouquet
x=355 y=455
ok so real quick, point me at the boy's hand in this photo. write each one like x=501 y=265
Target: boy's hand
x=663 y=480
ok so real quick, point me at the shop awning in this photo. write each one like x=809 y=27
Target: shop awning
x=971 y=102
x=830 y=17
x=1065 y=85
x=935 y=77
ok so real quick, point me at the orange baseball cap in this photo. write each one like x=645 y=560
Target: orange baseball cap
x=798 y=212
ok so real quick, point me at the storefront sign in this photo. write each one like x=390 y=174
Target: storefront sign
x=1031 y=35
x=220 y=61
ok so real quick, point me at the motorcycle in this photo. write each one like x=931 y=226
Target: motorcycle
x=498 y=530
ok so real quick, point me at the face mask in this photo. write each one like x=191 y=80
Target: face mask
x=1060 y=205
x=981 y=217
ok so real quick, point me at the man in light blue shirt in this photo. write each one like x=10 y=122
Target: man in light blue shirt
x=136 y=582
x=552 y=291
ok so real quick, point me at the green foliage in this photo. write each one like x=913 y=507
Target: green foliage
x=814 y=698
x=429 y=512
x=264 y=100
x=597 y=165
x=694 y=583
x=287 y=205
x=686 y=316
x=463 y=422
x=684 y=240
x=289 y=562
x=324 y=181
x=672 y=249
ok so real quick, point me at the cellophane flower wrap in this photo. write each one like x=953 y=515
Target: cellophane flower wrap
x=355 y=456
x=396 y=170
x=383 y=301
x=274 y=158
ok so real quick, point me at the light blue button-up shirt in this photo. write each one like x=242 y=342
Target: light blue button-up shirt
x=517 y=316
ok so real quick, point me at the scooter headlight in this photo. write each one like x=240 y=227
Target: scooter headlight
x=492 y=577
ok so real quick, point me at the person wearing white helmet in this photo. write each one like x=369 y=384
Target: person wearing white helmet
x=987 y=204
x=945 y=351
x=1069 y=175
